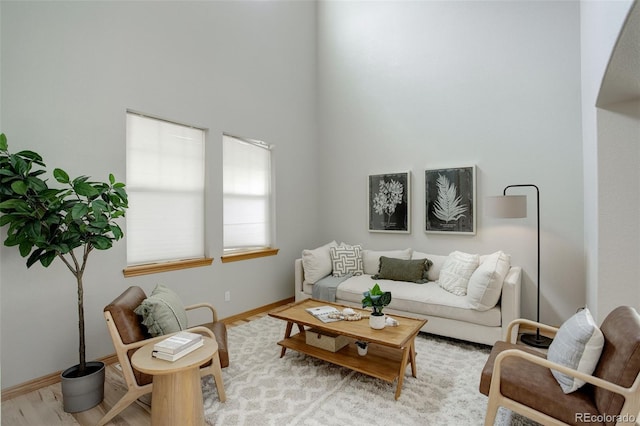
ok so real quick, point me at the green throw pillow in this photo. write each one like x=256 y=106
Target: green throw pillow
x=162 y=312
x=403 y=270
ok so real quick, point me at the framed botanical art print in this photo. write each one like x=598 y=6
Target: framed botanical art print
x=450 y=200
x=389 y=202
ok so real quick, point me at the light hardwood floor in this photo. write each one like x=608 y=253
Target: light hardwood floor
x=43 y=407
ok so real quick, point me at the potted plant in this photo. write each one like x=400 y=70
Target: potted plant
x=48 y=223
x=377 y=300
x=362 y=347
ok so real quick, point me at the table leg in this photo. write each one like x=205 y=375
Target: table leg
x=287 y=334
x=412 y=359
x=403 y=366
x=177 y=399
x=217 y=375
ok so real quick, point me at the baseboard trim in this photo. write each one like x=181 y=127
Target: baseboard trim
x=53 y=378
x=256 y=311
x=41 y=382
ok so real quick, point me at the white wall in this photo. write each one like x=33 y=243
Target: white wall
x=611 y=157
x=399 y=86
x=69 y=72
x=415 y=85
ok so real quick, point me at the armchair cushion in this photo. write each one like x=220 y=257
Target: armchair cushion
x=522 y=382
x=162 y=312
x=541 y=392
x=577 y=345
x=620 y=358
x=219 y=329
x=125 y=319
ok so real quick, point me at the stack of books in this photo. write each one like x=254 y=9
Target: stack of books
x=175 y=347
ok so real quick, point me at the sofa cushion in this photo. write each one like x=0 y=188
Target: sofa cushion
x=403 y=270
x=485 y=285
x=317 y=262
x=577 y=345
x=437 y=261
x=456 y=271
x=371 y=258
x=425 y=299
x=346 y=260
x=162 y=312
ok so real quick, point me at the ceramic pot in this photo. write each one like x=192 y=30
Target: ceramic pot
x=377 y=322
x=362 y=348
x=83 y=392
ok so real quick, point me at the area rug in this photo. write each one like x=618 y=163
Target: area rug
x=264 y=389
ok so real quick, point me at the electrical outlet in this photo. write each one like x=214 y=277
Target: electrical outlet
x=227 y=296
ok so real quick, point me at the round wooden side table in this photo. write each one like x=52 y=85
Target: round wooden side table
x=176 y=398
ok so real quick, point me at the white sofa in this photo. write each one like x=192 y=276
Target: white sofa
x=448 y=314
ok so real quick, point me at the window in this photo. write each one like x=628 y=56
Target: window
x=165 y=183
x=247 y=201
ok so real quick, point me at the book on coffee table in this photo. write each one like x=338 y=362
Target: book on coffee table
x=322 y=313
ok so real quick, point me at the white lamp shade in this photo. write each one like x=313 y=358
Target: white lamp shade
x=506 y=206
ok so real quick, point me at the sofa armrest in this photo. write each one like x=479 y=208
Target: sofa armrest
x=510 y=299
x=299 y=276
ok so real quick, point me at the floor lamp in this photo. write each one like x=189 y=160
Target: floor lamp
x=515 y=206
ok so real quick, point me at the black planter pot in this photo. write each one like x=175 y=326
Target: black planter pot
x=85 y=392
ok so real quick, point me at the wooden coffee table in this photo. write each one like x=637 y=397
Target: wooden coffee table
x=390 y=349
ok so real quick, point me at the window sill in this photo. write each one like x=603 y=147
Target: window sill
x=246 y=255
x=154 y=268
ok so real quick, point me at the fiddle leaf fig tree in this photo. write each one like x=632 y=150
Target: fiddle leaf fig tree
x=67 y=222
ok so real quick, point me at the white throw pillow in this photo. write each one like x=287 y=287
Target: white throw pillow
x=578 y=345
x=456 y=271
x=485 y=285
x=317 y=262
x=346 y=259
x=371 y=258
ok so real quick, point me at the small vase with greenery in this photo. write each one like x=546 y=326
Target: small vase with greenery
x=48 y=223
x=377 y=300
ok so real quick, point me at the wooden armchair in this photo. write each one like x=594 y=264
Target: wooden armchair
x=519 y=378
x=128 y=334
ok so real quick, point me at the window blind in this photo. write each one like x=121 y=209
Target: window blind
x=247 y=199
x=165 y=183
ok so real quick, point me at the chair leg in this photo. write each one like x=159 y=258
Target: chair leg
x=217 y=375
x=492 y=411
x=126 y=400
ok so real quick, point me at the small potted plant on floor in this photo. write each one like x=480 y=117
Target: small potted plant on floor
x=48 y=223
x=377 y=300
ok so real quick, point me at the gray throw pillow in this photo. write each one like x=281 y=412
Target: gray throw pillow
x=403 y=270
x=162 y=312
x=578 y=345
